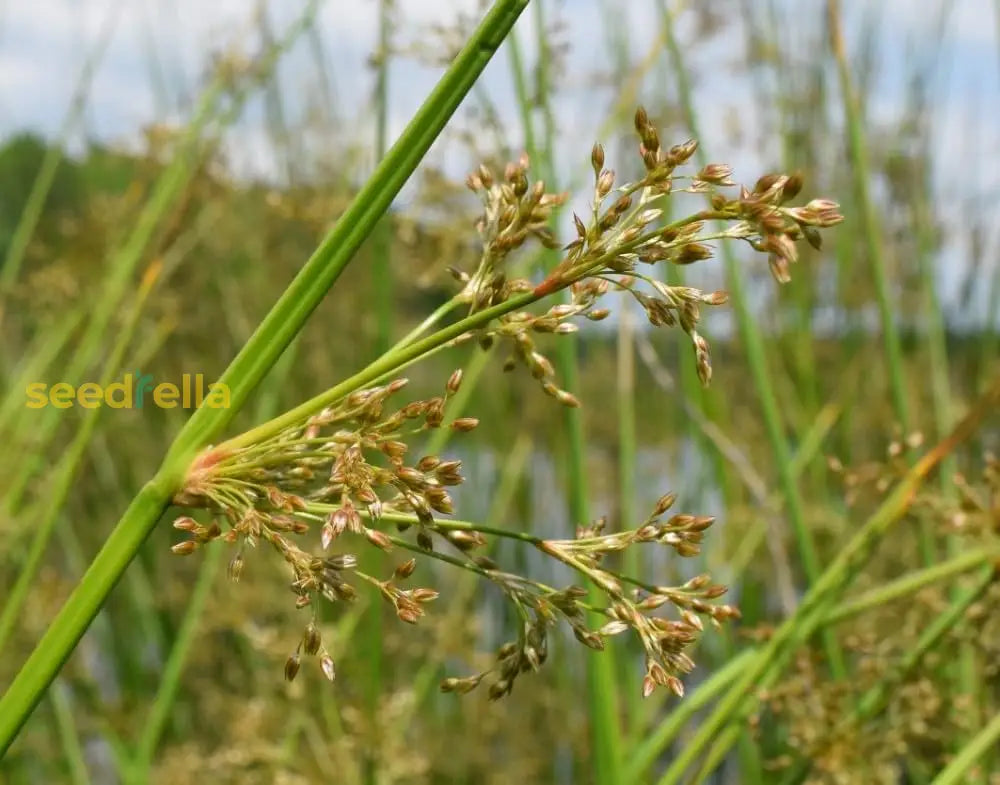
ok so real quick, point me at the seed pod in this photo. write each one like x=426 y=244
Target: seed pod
x=378 y=539
x=500 y=688
x=424 y=595
x=235 y=569
x=461 y=686
x=405 y=570
x=326 y=663
x=311 y=639
x=648 y=687
x=792 y=187
x=613 y=628
x=597 y=159
x=292 y=666
x=439 y=500
x=605 y=183
x=464 y=424
x=428 y=463
x=641 y=119
x=664 y=503
x=186 y=524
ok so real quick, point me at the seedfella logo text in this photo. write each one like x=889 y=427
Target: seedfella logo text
x=134 y=391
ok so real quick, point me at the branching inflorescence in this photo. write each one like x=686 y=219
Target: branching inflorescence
x=341 y=473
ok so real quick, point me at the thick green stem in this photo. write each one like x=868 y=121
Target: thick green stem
x=80 y=609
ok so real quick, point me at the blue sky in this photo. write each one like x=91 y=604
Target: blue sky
x=166 y=43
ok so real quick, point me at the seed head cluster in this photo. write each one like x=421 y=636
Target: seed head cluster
x=342 y=477
x=623 y=233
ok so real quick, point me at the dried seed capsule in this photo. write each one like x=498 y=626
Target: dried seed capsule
x=597 y=159
x=326 y=536
x=454 y=382
x=292 y=666
x=428 y=463
x=648 y=687
x=186 y=524
x=792 y=186
x=424 y=595
x=405 y=570
x=605 y=183
x=439 y=500
x=326 y=663
x=464 y=424
x=641 y=119
x=311 y=639
x=235 y=569
x=461 y=686
x=664 y=503
x=378 y=539
x=500 y=688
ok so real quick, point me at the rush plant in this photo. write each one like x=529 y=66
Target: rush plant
x=343 y=470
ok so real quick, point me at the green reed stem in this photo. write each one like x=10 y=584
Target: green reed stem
x=982 y=744
x=654 y=744
x=246 y=371
x=871 y=229
x=69 y=735
x=170 y=678
x=381 y=259
x=383 y=303
x=40 y=356
x=65 y=471
x=875 y=700
x=54 y=154
x=803 y=623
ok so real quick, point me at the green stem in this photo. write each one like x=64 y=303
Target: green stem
x=982 y=744
x=874 y=701
x=860 y=170
x=65 y=471
x=799 y=627
x=911 y=583
x=382 y=297
x=83 y=604
x=42 y=184
x=644 y=756
x=170 y=679
x=69 y=736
